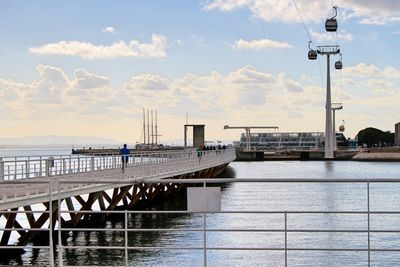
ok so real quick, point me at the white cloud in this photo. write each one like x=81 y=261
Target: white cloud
x=109 y=29
x=288 y=84
x=244 y=95
x=10 y=90
x=369 y=11
x=147 y=82
x=274 y=10
x=368 y=71
x=363 y=70
x=52 y=74
x=391 y=73
x=86 y=80
x=260 y=44
x=331 y=37
x=249 y=74
x=379 y=86
x=155 y=49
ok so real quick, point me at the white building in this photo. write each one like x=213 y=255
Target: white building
x=283 y=141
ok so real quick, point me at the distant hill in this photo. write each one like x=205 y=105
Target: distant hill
x=375 y=137
x=56 y=141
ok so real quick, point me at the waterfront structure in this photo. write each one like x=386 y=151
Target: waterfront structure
x=28 y=181
x=282 y=141
x=248 y=129
x=397 y=134
x=198 y=135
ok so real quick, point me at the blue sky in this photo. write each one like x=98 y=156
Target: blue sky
x=87 y=68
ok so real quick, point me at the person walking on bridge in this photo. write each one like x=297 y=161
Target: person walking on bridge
x=124 y=158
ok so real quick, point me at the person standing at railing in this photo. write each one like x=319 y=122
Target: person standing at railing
x=199 y=151
x=124 y=158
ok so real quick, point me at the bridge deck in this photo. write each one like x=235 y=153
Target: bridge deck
x=49 y=174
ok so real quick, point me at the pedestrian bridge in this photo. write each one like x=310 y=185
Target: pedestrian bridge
x=145 y=166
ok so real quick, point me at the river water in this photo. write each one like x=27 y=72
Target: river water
x=260 y=197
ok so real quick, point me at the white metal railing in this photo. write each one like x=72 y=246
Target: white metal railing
x=17 y=168
x=286 y=228
x=146 y=166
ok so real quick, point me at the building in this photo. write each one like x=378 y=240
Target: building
x=283 y=141
x=397 y=134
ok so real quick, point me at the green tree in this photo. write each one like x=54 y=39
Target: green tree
x=372 y=136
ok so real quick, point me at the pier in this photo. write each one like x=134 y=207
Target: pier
x=29 y=182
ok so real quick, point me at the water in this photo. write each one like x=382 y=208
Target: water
x=260 y=197
x=25 y=152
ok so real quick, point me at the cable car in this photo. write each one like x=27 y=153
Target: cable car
x=331 y=24
x=341 y=127
x=339 y=64
x=312 y=54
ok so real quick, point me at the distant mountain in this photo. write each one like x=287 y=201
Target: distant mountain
x=55 y=141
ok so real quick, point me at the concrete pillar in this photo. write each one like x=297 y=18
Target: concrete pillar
x=198 y=135
x=328 y=115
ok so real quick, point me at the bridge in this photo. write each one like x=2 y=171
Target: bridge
x=27 y=182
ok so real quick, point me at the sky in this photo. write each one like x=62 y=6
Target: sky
x=88 y=68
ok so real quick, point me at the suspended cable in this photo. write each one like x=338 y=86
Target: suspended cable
x=310 y=39
x=302 y=21
x=320 y=75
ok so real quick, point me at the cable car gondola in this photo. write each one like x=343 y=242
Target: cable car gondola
x=341 y=127
x=339 y=64
x=331 y=24
x=312 y=54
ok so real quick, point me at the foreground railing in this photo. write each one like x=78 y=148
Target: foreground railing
x=287 y=219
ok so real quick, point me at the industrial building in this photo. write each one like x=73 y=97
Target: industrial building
x=397 y=134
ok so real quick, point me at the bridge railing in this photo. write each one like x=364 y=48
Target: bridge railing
x=17 y=168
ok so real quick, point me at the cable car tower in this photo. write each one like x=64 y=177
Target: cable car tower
x=328 y=51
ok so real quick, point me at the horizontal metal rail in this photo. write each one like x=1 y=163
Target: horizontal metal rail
x=17 y=168
x=284 y=228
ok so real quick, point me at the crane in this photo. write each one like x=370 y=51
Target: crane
x=247 y=129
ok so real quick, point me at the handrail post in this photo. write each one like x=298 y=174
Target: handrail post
x=47 y=166
x=27 y=168
x=285 y=238
x=369 y=234
x=126 y=238
x=51 y=246
x=69 y=158
x=60 y=251
x=40 y=166
x=92 y=163
x=205 y=234
x=2 y=169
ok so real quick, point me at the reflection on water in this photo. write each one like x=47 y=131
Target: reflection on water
x=259 y=197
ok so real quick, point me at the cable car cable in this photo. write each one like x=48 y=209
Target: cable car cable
x=302 y=21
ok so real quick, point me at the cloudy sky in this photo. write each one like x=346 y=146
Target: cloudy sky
x=88 y=68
